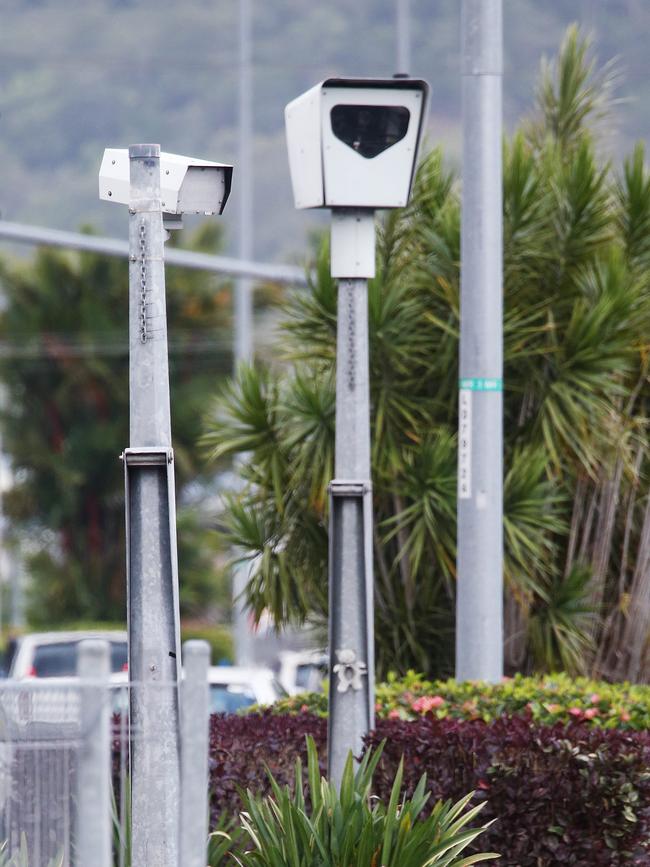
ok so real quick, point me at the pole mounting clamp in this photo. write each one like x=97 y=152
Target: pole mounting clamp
x=148 y=456
x=350 y=487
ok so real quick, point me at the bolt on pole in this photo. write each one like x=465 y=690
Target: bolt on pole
x=351 y=622
x=152 y=571
x=479 y=620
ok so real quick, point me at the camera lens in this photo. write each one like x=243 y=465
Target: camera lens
x=369 y=129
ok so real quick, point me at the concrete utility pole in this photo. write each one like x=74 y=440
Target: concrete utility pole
x=243 y=339
x=403 y=34
x=152 y=570
x=479 y=620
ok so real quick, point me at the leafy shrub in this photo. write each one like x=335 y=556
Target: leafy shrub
x=348 y=828
x=569 y=794
x=562 y=794
x=549 y=700
x=241 y=747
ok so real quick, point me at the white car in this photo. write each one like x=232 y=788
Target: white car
x=303 y=670
x=42 y=687
x=233 y=687
x=54 y=654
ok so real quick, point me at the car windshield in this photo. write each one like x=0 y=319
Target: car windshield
x=230 y=697
x=310 y=675
x=60 y=659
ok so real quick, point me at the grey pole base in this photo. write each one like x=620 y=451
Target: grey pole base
x=153 y=658
x=351 y=682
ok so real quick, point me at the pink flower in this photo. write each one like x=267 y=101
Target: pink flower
x=625 y=716
x=304 y=708
x=591 y=713
x=595 y=698
x=427 y=703
x=377 y=706
x=393 y=714
x=575 y=711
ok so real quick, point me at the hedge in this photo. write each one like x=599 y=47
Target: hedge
x=548 y=700
x=569 y=794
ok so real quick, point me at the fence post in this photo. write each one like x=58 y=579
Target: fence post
x=194 y=754
x=93 y=775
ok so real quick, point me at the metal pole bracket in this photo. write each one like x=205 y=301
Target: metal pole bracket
x=149 y=456
x=350 y=487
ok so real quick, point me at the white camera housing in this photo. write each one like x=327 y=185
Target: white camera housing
x=187 y=185
x=353 y=142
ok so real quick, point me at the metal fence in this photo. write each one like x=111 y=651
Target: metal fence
x=65 y=767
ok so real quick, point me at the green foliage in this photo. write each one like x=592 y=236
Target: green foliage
x=218 y=637
x=546 y=700
x=348 y=828
x=225 y=837
x=121 y=817
x=64 y=329
x=576 y=320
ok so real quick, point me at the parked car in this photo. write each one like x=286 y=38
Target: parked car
x=54 y=654
x=233 y=687
x=303 y=670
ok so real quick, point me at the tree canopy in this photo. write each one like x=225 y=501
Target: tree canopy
x=64 y=375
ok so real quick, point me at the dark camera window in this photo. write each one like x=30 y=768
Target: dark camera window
x=370 y=129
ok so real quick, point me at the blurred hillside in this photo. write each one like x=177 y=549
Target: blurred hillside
x=79 y=77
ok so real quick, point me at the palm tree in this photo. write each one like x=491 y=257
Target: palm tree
x=577 y=520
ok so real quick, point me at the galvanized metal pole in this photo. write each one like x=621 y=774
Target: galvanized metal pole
x=152 y=572
x=244 y=297
x=351 y=625
x=94 y=823
x=195 y=715
x=479 y=622
x=403 y=33
x=243 y=338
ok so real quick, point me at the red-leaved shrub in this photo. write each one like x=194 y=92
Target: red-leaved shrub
x=561 y=795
